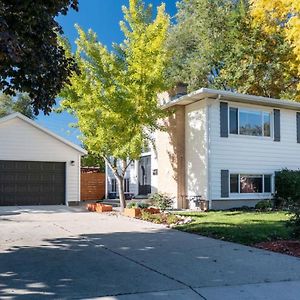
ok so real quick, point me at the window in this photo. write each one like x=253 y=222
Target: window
x=251 y=183
x=126 y=185
x=113 y=185
x=233 y=120
x=267 y=183
x=234 y=183
x=249 y=122
x=245 y=184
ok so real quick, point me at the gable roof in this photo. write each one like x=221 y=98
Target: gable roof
x=231 y=96
x=34 y=124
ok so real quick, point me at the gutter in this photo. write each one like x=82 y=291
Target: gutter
x=235 y=97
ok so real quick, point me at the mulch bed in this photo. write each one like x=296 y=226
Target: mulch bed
x=282 y=246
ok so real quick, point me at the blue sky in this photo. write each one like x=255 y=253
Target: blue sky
x=103 y=16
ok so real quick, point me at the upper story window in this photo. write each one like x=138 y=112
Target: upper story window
x=249 y=122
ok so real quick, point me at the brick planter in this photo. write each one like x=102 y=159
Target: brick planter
x=152 y=210
x=98 y=207
x=91 y=207
x=132 y=212
x=103 y=207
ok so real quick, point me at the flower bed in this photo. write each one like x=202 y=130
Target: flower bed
x=165 y=218
x=282 y=246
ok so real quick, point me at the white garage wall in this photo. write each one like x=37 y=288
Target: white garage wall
x=22 y=141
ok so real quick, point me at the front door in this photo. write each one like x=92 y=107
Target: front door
x=144 y=175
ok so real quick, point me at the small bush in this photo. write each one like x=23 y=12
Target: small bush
x=161 y=218
x=172 y=219
x=287 y=194
x=264 y=205
x=131 y=205
x=162 y=201
x=142 y=205
x=157 y=218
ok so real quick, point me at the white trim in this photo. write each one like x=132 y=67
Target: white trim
x=29 y=121
x=106 y=180
x=208 y=155
x=66 y=184
x=249 y=195
x=79 y=178
x=231 y=96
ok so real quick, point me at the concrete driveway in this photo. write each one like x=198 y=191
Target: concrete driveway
x=62 y=253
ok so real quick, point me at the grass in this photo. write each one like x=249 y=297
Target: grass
x=242 y=227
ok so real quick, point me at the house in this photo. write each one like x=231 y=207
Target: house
x=140 y=179
x=222 y=146
x=37 y=166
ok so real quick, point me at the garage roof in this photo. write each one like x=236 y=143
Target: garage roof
x=29 y=121
x=231 y=96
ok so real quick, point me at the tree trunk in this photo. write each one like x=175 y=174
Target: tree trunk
x=120 y=181
x=119 y=175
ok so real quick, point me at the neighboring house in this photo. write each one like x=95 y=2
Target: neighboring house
x=37 y=166
x=140 y=179
x=223 y=146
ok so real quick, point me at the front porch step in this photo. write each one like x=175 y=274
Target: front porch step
x=112 y=202
x=141 y=197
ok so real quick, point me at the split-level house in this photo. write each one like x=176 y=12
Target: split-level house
x=219 y=146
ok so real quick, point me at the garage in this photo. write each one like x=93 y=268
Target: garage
x=37 y=167
x=32 y=183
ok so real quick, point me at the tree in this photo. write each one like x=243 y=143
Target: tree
x=280 y=16
x=31 y=59
x=258 y=63
x=21 y=104
x=93 y=160
x=229 y=51
x=198 y=42
x=114 y=97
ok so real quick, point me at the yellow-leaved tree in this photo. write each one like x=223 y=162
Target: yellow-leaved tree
x=280 y=15
x=114 y=94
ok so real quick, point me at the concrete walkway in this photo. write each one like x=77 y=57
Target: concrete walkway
x=62 y=253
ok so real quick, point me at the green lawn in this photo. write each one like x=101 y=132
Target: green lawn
x=239 y=226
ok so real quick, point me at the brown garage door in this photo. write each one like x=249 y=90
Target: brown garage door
x=32 y=183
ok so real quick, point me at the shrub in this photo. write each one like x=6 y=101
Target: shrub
x=142 y=205
x=172 y=219
x=162 y=201
x=157 y=218
x=264 y=205
x=287 y=194
x=131 y=205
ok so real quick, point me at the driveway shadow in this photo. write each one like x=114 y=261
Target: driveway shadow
x=118 y=263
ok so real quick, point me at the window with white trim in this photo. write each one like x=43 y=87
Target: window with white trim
x=126 y=185
x=250 y=183
x=249 y=122
x=113 y=185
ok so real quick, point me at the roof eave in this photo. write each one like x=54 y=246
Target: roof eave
x=230 y=96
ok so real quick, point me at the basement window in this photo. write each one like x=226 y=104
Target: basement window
x=250 y=183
